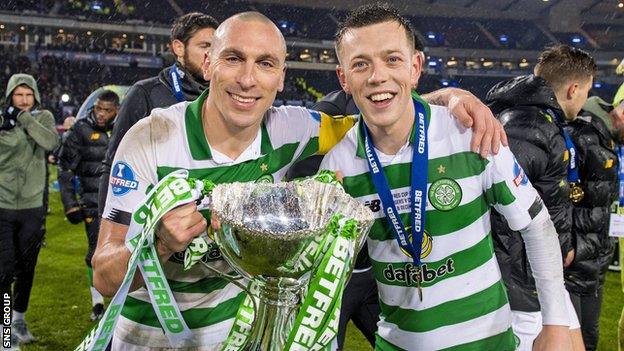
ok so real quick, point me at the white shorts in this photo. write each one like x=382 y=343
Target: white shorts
x=527 y=325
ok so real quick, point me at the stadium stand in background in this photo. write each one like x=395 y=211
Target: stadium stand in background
x=83 y=44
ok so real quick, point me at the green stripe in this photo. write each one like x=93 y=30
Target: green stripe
x=456 y=166
x=143 y=313
x=504 y=341
x=499 y=193
x=461 y=262
x=437 y=222
x=311 y=148
x=448 y=313
x=194 y=129
x=382 y=344
x=243 y=172
x=202 y=286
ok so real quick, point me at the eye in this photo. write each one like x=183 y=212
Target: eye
x=232 y=59
x=266 y=64
x=394 y=59
x=359 y=65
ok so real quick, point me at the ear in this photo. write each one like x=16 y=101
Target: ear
x=178 y=48
x=342 y=78
x=282 y=78
x=206 y=66
x=417 y=65
x=572 y=90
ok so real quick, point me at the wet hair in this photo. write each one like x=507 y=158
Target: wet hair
x=560 y=64
x=185 y=27
x=109 y=96
x=370 y=14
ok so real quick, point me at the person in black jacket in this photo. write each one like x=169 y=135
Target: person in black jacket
x=191 y=36
x=595 y=137
x=534 y=110
x=80 y=161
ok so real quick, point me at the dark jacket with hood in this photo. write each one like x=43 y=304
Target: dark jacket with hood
x=598 y=168
x=23 y=151
x=81 y=154
x=140 y=100
x=528 y=109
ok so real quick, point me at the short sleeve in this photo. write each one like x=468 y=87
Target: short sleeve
x=132 y=174
x=509 y=191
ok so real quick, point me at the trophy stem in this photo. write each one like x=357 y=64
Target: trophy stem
x=277 y=305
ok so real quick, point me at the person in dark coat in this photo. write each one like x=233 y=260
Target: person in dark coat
x=597 y=138
x=534 y=110
x=80 y=165
x=191 y=36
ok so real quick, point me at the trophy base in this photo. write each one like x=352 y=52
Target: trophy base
x=278 y=301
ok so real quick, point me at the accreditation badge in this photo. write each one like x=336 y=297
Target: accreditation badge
x=616 y=220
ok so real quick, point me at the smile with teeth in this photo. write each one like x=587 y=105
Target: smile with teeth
x=381 y=96
x=245 y=100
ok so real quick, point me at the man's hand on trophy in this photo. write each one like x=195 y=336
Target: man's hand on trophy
x=178 y=228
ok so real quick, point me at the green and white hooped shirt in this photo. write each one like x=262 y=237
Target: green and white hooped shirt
x=465 y=305
x=171 y=139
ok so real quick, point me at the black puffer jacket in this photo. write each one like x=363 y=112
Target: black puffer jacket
x=599 y=179
x=140 y=100
x=81 y=154
x=525 y=106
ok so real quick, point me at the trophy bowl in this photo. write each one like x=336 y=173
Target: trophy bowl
x=269 y=234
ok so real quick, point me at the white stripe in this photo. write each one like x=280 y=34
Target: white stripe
x=471 y=188
x=479 y=328
x=448 y=289
x=443 y=246
x=133 y=333
x=187 y=301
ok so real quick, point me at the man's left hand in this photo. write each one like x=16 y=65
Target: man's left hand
x=553 y=338
x=487 y=132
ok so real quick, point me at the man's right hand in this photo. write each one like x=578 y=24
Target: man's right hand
x=74 y=215
x=9 y=118
x=553 y=338
x=178 y=228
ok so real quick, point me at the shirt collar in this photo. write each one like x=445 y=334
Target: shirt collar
x=197 y=142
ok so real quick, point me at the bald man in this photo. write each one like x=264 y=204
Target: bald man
x=230 y=133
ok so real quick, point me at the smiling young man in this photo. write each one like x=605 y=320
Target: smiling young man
x=439 y=283
x=230 y=133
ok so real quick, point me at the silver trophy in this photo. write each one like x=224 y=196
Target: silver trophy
x=266 y=231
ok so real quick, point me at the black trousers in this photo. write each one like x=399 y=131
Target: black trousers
x=92 y=227
x=587 y=309
x=361 y=305
x=20 y=241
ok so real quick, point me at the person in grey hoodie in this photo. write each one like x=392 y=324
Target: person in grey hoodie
x=26 y=134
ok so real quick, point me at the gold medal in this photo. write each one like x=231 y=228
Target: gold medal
x=576 y=193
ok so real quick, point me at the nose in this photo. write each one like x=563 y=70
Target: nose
x=378 y=75
x=247 y=76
